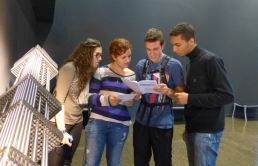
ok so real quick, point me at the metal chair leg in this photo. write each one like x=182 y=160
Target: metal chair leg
x=234 y=110
x=245 y=113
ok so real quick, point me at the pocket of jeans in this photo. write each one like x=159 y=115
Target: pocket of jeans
x=120 y=126
x=204 y=138
x=89 y=125
x=219 y=136
x=91 y=120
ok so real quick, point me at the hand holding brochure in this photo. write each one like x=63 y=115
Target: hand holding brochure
x=125 y=97
x=143 y=86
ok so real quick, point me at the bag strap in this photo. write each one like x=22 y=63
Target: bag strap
x=145 y=68
x=71 y=87
x=53 y=90
x=161 y=69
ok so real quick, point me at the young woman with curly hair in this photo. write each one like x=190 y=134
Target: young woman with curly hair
x=73 y=77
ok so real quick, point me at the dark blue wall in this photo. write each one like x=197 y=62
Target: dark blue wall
x=16 y=36
x=227 y=28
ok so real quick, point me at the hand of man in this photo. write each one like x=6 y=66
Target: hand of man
x=183 y=135
x=162 y=88
x=181 y=97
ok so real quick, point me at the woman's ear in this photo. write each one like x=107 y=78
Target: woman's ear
x=113 y=57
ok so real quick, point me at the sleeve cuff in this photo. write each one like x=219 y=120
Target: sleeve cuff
x=104 y=100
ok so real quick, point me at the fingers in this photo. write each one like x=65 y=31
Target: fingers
x=162 y=85
x=67 y=139
x=181 y=97
x=183 y=135
x=128 y=103
x=161 y=88
x=114 y=101
x=177 y=97
x=138 y=95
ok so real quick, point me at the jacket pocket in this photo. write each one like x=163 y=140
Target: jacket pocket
x=198 y=84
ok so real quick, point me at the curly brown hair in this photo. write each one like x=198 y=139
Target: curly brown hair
x=118 y=47
x=82 y=58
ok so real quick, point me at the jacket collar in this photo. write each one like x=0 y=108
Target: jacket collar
x=195 y=52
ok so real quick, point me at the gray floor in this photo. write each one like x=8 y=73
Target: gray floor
x=239 y=146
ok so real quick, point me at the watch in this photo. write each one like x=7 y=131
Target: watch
x=63 y=131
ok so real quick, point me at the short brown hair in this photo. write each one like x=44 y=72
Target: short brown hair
x=118 y=47
x=153 y=35
x=184 y=29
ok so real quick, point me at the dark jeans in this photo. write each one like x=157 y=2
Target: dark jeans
x=62 y=156
x=149 y=139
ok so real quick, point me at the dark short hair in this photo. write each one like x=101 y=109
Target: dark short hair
x=153 y=35
x=184 y=29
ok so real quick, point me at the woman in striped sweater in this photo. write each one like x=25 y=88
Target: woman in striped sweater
x=109 y=121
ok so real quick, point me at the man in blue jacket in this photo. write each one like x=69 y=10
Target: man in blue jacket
x=153 y=127
x=208 y=89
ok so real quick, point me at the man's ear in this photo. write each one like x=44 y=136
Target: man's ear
x=191 y=41
x=163 y=46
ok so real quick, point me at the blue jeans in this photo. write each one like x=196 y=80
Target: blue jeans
x=202 y=148
x=98 y=134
